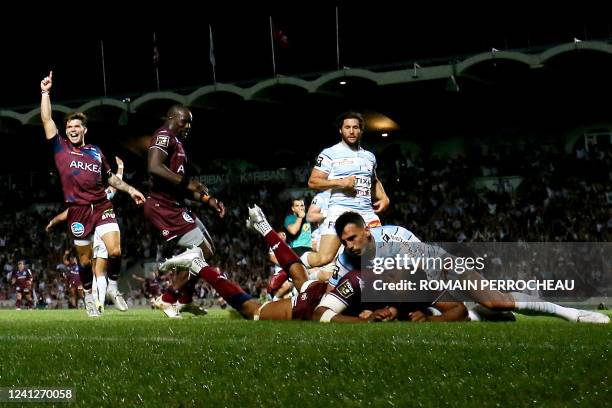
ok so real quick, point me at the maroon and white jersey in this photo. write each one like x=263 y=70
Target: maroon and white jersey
x=24 y=278
x=168 y=142
x=152 y=287
x=83 y=170
x=73 y=276
x=345 y=298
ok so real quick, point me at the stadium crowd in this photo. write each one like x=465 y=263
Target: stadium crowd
x=561 y=197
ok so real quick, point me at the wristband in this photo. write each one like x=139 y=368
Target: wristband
x=44 y=93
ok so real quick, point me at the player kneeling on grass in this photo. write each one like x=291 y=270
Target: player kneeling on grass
x=303 y=306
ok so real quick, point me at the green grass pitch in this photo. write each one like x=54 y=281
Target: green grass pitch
x=142 y=358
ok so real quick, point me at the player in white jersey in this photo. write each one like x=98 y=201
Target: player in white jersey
x=317 y=212
x=359 y=240
x=349 y=171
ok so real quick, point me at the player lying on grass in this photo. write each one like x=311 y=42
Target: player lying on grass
x=303 y=306
x=360 y=241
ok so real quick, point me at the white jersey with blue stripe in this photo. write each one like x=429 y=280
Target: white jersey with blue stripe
x=340 y=161
x=385 y=234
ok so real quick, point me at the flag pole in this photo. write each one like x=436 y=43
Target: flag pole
x=272 y=44
x=103 y=66
x=337 y=42
x=156 y=59
x=211 y=55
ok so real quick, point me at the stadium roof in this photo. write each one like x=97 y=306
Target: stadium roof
x=401 y=68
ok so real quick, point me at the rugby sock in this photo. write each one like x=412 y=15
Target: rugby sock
x=523 y=301
x=284 y=255
x=229 y=290
x=101 y=285
x=114 y=268
x=171 y=295
x=276 y=281
x=18 y=304
x=86 y=276
x=187 y=291
x=112 y=287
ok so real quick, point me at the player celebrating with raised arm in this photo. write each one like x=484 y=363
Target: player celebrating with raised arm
x=350 y=172
x=83 y=170
x=103 y=289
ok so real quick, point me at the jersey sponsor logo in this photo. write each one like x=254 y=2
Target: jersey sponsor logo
x=344 y=162
x=165 y=233
x=77 y=229
x=306 y=227
x=94 y=168
x=391 y=238
x=304 y=296
x=162 y=141
x=319 y=161
x=108 y=214
x=275 y=246
x=181 y=169
x=346 y=289
x=187 y=217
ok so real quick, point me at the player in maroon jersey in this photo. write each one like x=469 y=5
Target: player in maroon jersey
x=73 y=279
x=102 y=288
x=165 y=207
x=22 y=280
x=84 y=173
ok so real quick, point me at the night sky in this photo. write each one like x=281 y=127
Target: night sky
x=371 y=35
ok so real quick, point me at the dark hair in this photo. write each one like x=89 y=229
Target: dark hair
x=350 y=115
x=76 y=115
x=348 y=218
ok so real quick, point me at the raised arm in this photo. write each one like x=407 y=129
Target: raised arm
x=45 y=106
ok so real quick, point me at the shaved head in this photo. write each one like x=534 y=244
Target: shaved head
x=178 y=119
x=177 y=110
